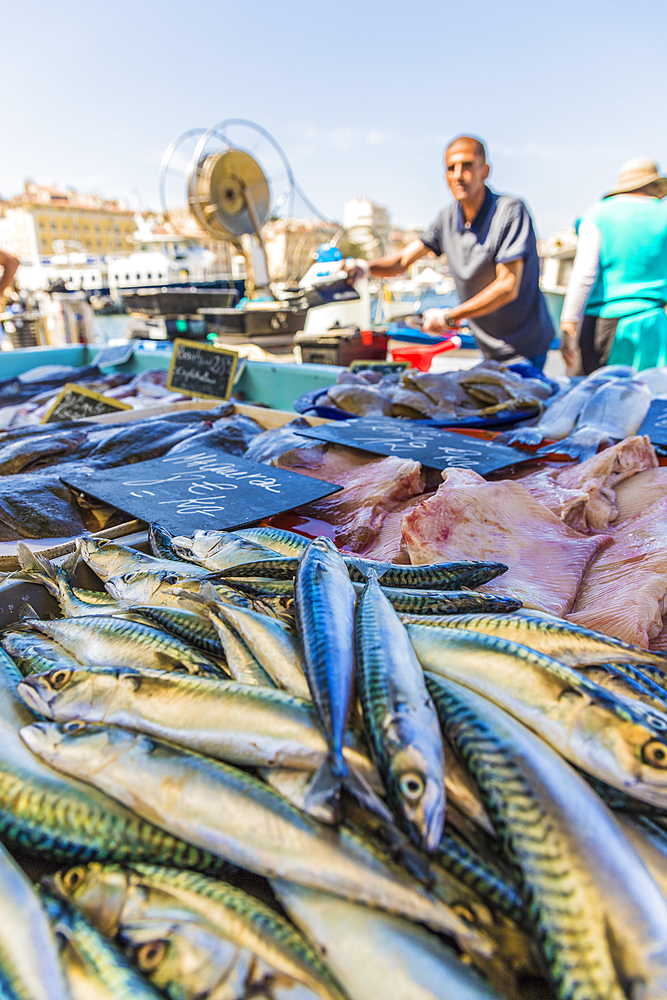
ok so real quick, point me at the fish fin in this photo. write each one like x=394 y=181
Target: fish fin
x=28 y=613
x=208 y=594
x=69 y=564
x=356 y=785
x=367 y=571
x=38 y=567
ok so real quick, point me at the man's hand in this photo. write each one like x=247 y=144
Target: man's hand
x=438 y=321
x=355 y=269
x=569 y=343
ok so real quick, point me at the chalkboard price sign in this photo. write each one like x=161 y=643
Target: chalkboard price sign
x=655 y=422
x=202 y=370
x=383 y=367
x=201 y=488
x=75 y=402
x=432 y=446
x=116 y=355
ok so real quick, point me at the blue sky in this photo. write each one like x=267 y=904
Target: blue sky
x=361 y=95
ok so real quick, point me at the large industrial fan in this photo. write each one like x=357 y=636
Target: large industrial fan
x=228 y=180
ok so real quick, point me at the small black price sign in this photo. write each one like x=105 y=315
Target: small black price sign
x=383 y=367
x=116 y=355
x=202 y=370
x=75 y=402
x=201 y=488
x=432 y=446
x=655 y=422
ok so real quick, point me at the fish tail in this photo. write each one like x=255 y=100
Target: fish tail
x=38 y=568
x=325 y=788
x=364 y=568
x=522 y=435
x=357 y=786
x=581 y=445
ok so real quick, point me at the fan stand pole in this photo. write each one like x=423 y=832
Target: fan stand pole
x=255 y=251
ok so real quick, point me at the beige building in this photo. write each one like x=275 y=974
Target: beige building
x=43 y=221
x=362 y=213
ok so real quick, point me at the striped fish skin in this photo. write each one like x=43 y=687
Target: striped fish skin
x=36 y=654
x=600 y=918
x=400 y=719
x=104 y=640
x=144 y=895
x=41 y=570
x=239 y=723
x=484 y=878
x=618 y=740
x=234 y=815
x=162 y=588
x=186 y=625
x=324 y=600
x=572 y=644
x=240 y=662
x=438 y=576
x=28 y=951
x=273 y=647
x=159 y=540
x=95 y=968
x=436 y=602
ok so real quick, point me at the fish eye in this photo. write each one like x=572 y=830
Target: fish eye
x=655 y=753
x=412 y=786
x=73 y=727
x=464 y=912
x=150 y=955
x=59 y=678
x=73 y=878
x=656 y=722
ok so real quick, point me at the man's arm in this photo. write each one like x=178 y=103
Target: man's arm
x=391 y=264
x=10 y=266
x=502 y=290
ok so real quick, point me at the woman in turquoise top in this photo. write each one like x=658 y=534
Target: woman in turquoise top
x=618 y=284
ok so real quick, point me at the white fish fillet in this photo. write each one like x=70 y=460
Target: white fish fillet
x=469 y=518
x=625 y=590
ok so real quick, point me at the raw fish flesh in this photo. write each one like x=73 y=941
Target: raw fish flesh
x=371 y=490
x=388 y=546
x=624 y=591
x=637 y=494
x=469 y=518
x=583 y=495
x=560 y=418
x=615 y=411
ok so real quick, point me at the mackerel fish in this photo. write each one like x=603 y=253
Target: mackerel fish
x=222 y=551
x=591 y=653
x=117 y=642
x=616 y=739
x=601 y=920
x=107 y=559
x=238 y=723
x=43 y=812
x=159 y=540
x=242 y=665
x=28 y=952
x=39 y=569
x=163 y=588
x=400 y=719
x=273 y=647
x=137 y=902
x=234 y=815
x=35 y=654
x=435 y=576
x=95 y=968
x=426 y=602
x=376 y=954
x=324 y=601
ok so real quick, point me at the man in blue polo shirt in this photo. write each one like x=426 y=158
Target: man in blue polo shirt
x=491 y=252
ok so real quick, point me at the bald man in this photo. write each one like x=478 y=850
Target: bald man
x=491 y=252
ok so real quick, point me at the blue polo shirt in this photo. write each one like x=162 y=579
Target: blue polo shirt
x=502 y=231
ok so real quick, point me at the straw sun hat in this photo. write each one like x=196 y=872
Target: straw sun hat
x=635 y=174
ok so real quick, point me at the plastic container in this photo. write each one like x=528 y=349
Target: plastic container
x=421 y=357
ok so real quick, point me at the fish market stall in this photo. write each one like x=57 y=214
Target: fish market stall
x=402 y=735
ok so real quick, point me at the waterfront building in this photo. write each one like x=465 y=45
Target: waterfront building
x=43 y=221
x=362 y=213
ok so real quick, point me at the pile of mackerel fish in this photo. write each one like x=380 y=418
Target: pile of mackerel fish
x=250 y=766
